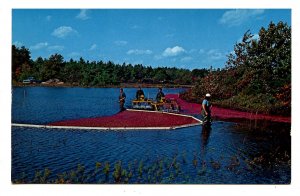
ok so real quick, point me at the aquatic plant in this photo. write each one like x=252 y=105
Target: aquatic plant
x=98 y=165
x=140 y=169
x=117 y=172
x=173 y=162
x=184 y=161
x=234 y=162
x=40 y=176
x=162 y=170
x=46 y=175
x=106 y=171
x=215 y=164
x=22 y=179
x=61 y=178
x=195 y=160
x=37 y=177
x=125 y=176
x=202 y=171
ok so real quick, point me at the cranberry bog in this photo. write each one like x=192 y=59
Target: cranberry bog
x=131 y=119
x=77 y=135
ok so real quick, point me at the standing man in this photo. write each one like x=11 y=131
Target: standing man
x=206 y=110
x=160 y=95
x=122 y=98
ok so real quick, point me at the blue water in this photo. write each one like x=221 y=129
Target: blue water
x=62 y=150
x=41 y=105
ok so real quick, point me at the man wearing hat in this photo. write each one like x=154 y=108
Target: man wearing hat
x=122 y=97
x=160 y=95
x=206 y=110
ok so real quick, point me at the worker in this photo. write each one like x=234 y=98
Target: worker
x=206 y=110
x=140 y=94
x=160 y=95
x=122 y=98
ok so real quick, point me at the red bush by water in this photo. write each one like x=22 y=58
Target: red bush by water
x=222 y=113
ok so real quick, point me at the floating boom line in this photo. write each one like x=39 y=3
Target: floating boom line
x=102 y=128
x=127 y=120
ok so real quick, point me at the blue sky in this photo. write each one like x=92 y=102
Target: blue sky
x=185 y=38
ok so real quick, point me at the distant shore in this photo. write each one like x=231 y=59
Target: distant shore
x=121 y=85
x=218 y=112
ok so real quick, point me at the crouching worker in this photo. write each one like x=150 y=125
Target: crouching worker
x=206 y=110
x=140 y=94
x=122 y=98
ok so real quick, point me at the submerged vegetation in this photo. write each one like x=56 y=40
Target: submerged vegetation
x=162 y=170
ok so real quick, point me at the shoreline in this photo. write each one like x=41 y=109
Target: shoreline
x=121 y=85
x=227 y=114
x=218 y=112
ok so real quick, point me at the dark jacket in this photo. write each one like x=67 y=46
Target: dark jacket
x=159 y=96
x=139 y=93
x=122 y=97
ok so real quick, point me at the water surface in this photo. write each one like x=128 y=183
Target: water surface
x=228 y=153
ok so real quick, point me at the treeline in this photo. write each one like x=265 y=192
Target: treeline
x=95 y=73
x=257 y=76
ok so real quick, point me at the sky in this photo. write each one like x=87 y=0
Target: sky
x=183 y=38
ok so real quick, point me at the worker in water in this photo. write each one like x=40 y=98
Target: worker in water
x=140 y=94
x=122 y=98
x=206 y=109
x=160 y=95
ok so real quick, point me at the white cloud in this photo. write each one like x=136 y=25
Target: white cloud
x=175 y=51
x=56 y=48
x=215 y=54
x=255 y=36
x=93 y=47
x=158 y=57
x=186 y=59
x=191 y=51
x=83 y=14
x=139 y=52
x=39 y=46
x=201 y=51
x=239 y=16
x=63 y=31
x=121 y=43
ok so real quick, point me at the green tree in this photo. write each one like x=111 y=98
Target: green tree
x=53 y=66
x=38 y=66
x=161 y=75
x=256 y=75
x=21 y=62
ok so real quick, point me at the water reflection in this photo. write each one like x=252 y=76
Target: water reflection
x=205 y=135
